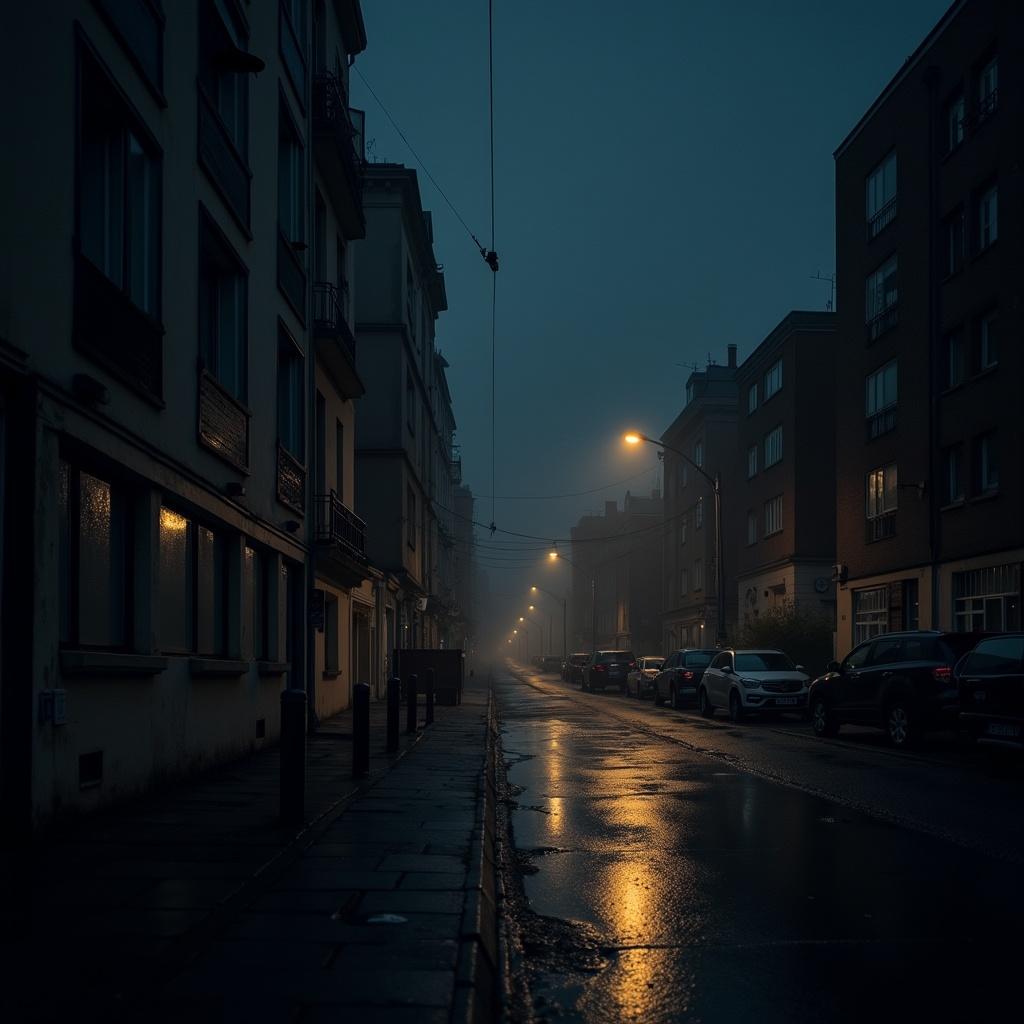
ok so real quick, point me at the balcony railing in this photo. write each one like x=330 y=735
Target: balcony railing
x=337 y=140
x=329 y=316
x=880 y=527
x=291 y=480
x=336 y=523
x=882 y=322
x=882 y=218
x=881 y=422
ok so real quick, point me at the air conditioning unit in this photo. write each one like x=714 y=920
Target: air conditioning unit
x=840 y=573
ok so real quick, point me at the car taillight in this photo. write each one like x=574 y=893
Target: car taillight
x=600 y=668
x=687 y=674
x=942 y=673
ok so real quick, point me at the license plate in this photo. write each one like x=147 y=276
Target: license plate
x=1002 y=729
x=785 y=700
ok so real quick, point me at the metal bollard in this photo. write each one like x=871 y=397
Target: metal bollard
x=431 y=679
x=360 y=730
x=394 y=711
x=410 y=703
x=293 y=756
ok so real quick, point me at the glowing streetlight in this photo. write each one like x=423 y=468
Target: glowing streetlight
x=633 y=438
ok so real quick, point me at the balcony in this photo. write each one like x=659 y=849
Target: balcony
x=882 y=218
x=223 y=423
x=883 y=322
x=291 y=480
x=334 y=147
x=341 y=540
x=880 y=527
x=335 y=343
x=110 y=328
x=223 y=163
x=881 y=423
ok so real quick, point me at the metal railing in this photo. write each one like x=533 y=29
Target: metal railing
x=336 y=523
x=882 y=322
x=331 y=114
x=880 y=527
x=329 y=315
x=881 y=422
x=882 y=218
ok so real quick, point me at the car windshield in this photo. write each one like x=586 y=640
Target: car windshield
x=698 y=659
x=654 y=662
x=610 y=656
x=762 y=661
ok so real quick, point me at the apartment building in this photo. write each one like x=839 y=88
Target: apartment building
x=159 y=336
x=405 y=432
x=785 y=480
x=705 y=432
x=930 y=522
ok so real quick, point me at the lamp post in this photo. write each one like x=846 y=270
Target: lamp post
x=527 y=621
x=551 y=631
x=635 y=437
x=541 y=590
x=554 y=556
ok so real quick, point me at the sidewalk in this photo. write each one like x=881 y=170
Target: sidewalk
x=196 y=905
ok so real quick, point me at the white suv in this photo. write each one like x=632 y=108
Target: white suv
x=752 y=681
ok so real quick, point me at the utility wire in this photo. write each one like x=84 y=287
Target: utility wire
x=571 y=494
x=493 y=253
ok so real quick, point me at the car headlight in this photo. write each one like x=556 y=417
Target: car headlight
x=750 y=684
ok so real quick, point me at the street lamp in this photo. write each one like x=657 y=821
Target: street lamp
x=561 y=600
x=527 y=621
x=554 y=556
x=634 y=437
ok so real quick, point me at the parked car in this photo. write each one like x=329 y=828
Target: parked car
x=608 y=668
x=574 y=670
x=680 y=677
x=990 y=680
x=641 y=680
x=900 y=682
x=551 y=663
x=752 y=682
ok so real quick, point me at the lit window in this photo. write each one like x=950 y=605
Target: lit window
x=773 y=447
x=773 y=380
x=881 y=492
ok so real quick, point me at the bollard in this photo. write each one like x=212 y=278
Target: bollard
x=410 y=703
x=394 y=711
x=431 y=679
x=360 y=730
x=293 y=756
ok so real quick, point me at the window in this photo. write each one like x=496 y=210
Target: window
x=292 y=41
x=698 y=574
x=988 y=340
x=410 y=517
x=880 y=395
x=211 y=592
x=987 y=599
x=254 y=605
x=93 y=559
x=988 y=89
x=226 y=89
x=773 y=515
x=988 y=217
x=682 y=531
x=698 y=453
x=752 y=461
x=119 y=194
x=751 y=528
x=859 y=656
x=881 y=195
x=881 y=503
x=773 y=447
x=290 y=178
x=339 y=459
x=880 y=297
x=684 y=582
x=955 y=111
x=870 y=617
x=953 y=241
x=410 y=404
x=698 y=514
x=223 y=311
x=752 y=398
x=290 y=397
x=773 y=380
x=986 y=465
x=139 y=24
x=954 y=473
x=956 y=364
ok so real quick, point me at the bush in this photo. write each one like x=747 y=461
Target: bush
x=805 y=635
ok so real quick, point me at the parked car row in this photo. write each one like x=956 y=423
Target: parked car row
x=904 y=683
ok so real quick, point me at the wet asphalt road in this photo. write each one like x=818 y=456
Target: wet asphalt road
x=675 y=869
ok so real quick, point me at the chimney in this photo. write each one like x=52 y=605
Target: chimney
x=732 y=357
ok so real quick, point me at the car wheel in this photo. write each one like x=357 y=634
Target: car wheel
x=735 y=707
x=899 y=724
x=823 y=722
x=704 y=704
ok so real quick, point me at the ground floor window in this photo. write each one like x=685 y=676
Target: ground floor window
x=987 y=599
x=870 y=613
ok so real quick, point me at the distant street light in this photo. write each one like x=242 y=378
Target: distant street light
x=634 y=437
x=554 y=555
x=561 y=600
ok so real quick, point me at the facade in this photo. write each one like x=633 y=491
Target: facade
x=463 y=561
x=783 y=486
x=930 y=521
x=166 y=334
x=405 y=428
x=706 y=431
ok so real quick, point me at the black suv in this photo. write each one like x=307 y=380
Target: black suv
x=677 y=681
x=991 y=680
x=901 y=682
x=608 y=668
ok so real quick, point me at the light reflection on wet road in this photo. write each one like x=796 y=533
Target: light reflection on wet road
x=704 y=891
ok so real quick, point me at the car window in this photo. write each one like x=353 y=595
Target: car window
x=698 y=659
x=997 y=656
x=723 y=660
x=858 y=657
x=885 y=652
x=763 y=661
x=654 y=663
x=924 y=648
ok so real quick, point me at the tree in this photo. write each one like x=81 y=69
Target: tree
x=804 y=634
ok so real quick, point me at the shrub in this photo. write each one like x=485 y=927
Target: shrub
x=805 y=635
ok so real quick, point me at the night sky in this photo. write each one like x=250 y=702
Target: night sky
x=664 y=186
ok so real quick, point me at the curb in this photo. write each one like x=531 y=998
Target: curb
x=480 y=971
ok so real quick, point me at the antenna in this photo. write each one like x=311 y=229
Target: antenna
x=819 y=276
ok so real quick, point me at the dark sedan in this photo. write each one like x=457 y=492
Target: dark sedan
x=608 y=668
x=991 y=684
x=677 y=681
